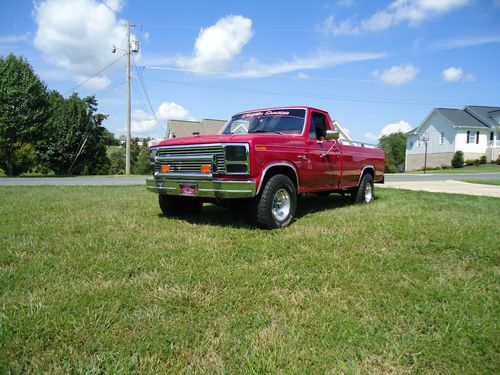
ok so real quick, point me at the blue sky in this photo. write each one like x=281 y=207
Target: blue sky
x=376 y=66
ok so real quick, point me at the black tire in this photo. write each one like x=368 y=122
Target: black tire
x=174 y=205
x=365 y=193
x=265 y=212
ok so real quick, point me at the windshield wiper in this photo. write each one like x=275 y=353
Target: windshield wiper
x=266 y=131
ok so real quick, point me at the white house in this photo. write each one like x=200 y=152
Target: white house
x=474 y=130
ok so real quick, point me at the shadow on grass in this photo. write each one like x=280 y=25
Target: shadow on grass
x=221 y=216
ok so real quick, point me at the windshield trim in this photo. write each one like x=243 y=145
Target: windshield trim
x=301 y=134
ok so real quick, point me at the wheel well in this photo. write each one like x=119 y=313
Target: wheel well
x=280 y=169
x=366 y=170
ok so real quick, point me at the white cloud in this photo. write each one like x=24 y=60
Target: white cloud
x=78 y=35
x=454 y=74
x=401 y=126
x=466 y=42
x=144 y=124
x=217 y=45
x=302 y=75
x=255 y=69
x=412 y=12
x=397 y=75
x=217 y=48
x=371 y=136
x=345 y=3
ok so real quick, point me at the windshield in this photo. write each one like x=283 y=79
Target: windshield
x=289 y=121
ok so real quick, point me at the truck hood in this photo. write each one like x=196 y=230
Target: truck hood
x=222 y=138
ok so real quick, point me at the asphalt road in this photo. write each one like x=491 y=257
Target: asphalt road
x=116 y=181
x=88 y=181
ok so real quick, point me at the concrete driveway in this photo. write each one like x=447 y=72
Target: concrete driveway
x=452 y=187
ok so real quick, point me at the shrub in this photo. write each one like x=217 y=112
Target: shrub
x=445 y=166
x=498 y=161
x=482 y=160
x=469 y=162
x=458 y=160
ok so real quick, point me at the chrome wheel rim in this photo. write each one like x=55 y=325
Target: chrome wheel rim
x=281 y=204
x=368 y=193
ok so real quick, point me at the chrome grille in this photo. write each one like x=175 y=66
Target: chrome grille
x=189 y=158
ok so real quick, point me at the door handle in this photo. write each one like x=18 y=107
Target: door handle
x=303 y=157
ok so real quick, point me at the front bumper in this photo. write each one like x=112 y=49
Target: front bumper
x=205 y=188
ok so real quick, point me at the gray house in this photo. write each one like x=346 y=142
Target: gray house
x=184 y=128
x=474 y=130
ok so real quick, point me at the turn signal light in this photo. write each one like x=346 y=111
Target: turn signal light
x=205 y=168
x=165 y=168
x=260 y=148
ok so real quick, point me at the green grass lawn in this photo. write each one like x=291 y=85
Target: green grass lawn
x=95 y=280
x=483 y=182
x=482 y=168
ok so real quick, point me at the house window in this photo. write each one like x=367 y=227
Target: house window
x=418 y=142
x=491 y=138
x=477 y=137
x=441 y=138
x=471 y=136
x=411 y=144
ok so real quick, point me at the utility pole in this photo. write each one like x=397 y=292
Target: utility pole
x=132 y=46
x=129 y=120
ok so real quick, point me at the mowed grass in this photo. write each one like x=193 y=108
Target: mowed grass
x=484 y=182
x=482 y=168
x=95 y=280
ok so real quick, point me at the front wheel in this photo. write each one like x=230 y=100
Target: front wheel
x=365 y=193
x=275 y=206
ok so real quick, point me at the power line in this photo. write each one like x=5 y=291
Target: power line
x=141 y=81
x=281 y=76
x=301 y=95
x=94 y=75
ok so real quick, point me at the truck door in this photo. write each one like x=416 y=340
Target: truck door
x=323 y=171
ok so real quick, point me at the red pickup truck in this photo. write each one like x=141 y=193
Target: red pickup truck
x=261 y=161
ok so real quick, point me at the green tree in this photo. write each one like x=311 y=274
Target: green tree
x=109 y=138
x=75 y=140
x=141 y=165
x=23 y=113
x=458 y=160
x=394 y=146
x=117 y=160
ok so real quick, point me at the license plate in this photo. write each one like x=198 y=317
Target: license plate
x=189 y=190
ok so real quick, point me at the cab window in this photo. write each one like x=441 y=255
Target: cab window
x=318 y=127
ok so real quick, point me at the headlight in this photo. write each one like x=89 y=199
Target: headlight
x=152 y=155
x=237 y=158
x=236 y=153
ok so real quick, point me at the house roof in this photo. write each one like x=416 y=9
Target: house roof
x=461 y=118
x=472 y=116
x=184 y=128
x=484 y=114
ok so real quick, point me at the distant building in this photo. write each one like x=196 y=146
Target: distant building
x=472 y=130
x=183 y=128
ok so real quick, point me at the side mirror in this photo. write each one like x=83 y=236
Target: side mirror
x=332 y=134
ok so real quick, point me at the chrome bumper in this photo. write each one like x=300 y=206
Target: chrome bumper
x=205 y=188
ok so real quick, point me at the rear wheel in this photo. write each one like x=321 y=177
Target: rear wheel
x=365 y=193
x=275 y=206
x=174 y=205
